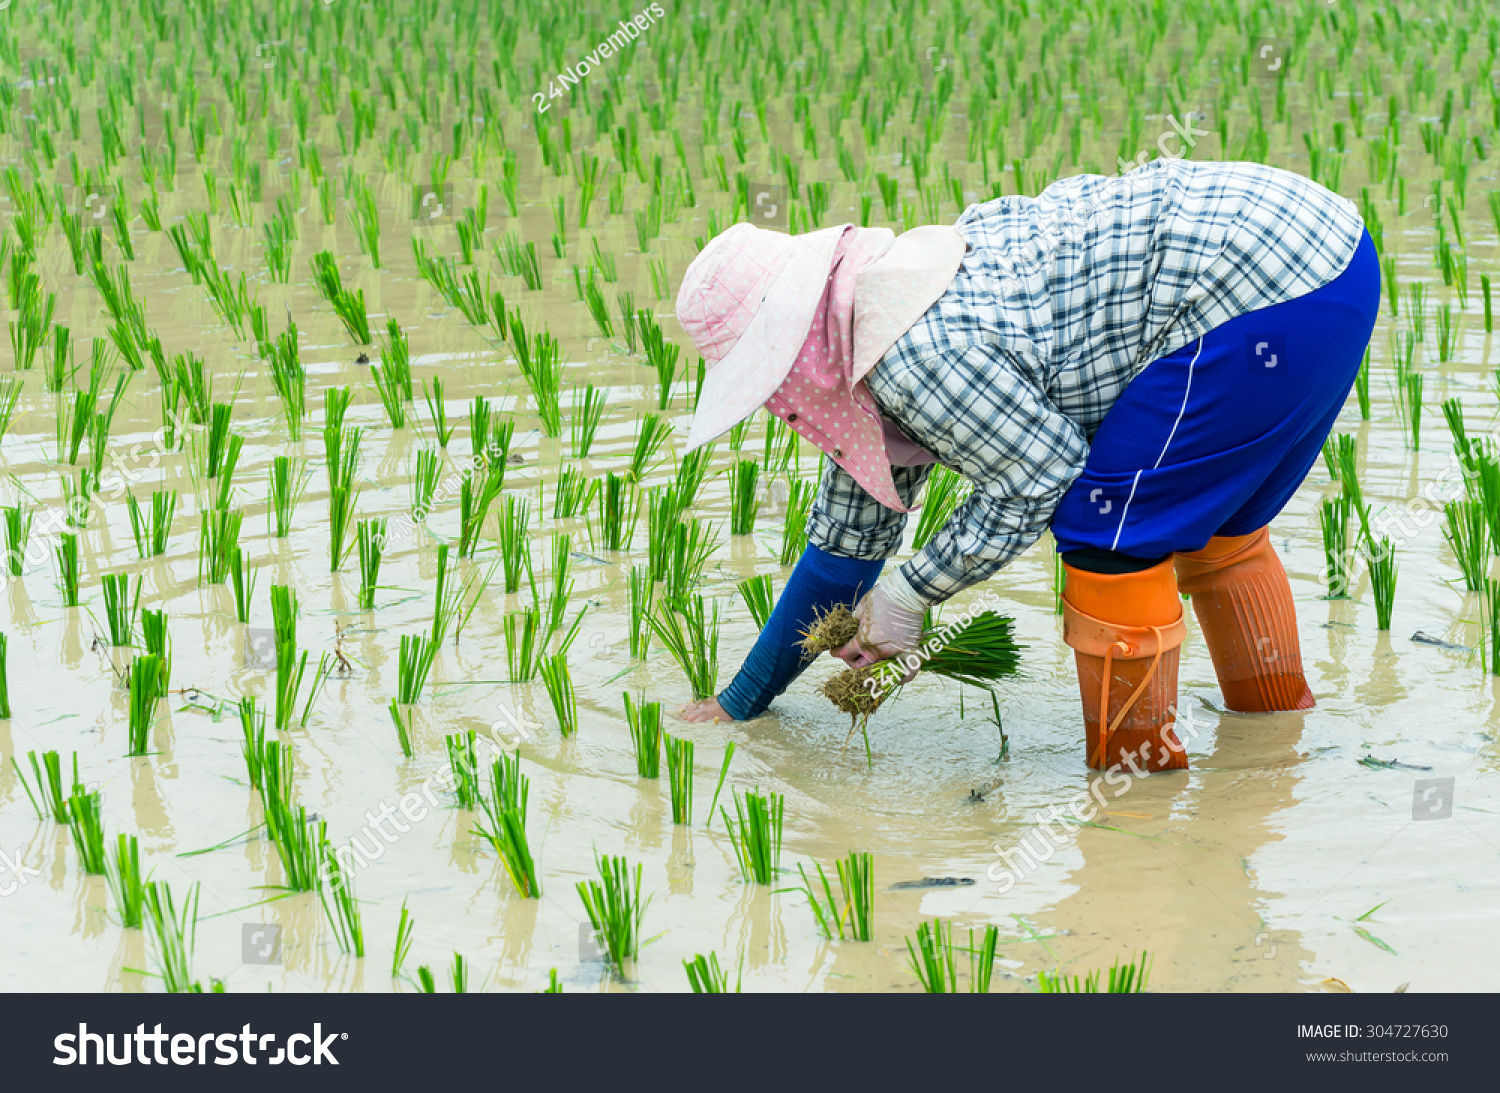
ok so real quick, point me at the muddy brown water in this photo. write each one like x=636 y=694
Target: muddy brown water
x=1247 y=872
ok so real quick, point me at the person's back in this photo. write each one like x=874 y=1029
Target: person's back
x=1085 y=284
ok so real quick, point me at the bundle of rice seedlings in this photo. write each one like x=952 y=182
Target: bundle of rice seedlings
x=978 y=653
x=123 y=872
x=856 y=875
x=644 y=721
x=615 y=909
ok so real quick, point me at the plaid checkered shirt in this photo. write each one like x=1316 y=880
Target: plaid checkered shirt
x=1061 y=300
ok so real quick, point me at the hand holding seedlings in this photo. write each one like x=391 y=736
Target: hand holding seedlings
x=889 y=620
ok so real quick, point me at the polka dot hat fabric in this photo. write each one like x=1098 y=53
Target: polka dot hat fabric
x=795 y=322
x=819 y=398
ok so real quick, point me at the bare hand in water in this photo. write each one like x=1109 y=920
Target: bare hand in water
x=705 y=709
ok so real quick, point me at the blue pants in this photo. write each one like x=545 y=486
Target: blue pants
x=1215 y=437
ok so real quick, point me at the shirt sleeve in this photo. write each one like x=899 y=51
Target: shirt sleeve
x=982 y=415
x=846 y=520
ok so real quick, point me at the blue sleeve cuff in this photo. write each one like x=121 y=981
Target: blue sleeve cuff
x=819 y=581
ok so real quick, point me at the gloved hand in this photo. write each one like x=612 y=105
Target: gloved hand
x=890 y=622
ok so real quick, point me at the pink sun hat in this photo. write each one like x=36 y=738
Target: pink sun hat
x=749 y=299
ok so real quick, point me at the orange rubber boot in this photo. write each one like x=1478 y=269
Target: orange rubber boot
x=1244 y=606
x=1127 y=672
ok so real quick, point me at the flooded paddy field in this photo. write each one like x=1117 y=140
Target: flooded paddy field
x=167 y=198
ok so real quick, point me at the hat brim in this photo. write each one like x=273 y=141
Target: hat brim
x=762 y=357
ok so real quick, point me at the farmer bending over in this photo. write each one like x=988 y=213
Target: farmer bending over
x=1146 y=364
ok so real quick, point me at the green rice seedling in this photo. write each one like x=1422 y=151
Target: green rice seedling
x=662 y=516
x=719 y=787
x=459 y=974
x=291 y=667
x=1468 y=534
x=289 y=378
x=123 y=873
x=642 y=597
x=10 y=396
x=341 y=498
x=86 y=821
x=336 y=403
x=946 y=490
x=326 y=278
x=172 y=935
x=504 y=826
x=1127 y=978
x=438 y=408
x=78 y=498
x=755 y=834
x=616 y=910
x=930 y=957
x=426 y=474
x=403 y=729
x=371 y=537
x=350 y=308
x=465 y=765
x=218 y=539
x=17 y=537
x=474 y=501
x=299 y=841
x=619 y=512
x=679 y=776
x=523 y=645
x=663 y=357
x=1411 y=384
x=1333 y=516
x=404 y=928
x=152 y=532
x=559 y=684
x=154 y=636
x=982 y=959
x=5 y=711
x=119 y=608
x=393 y=375
x=693 y=543
x=573 y=493
x=242 y=578
x=48 y=796
x=800 y=495
x=1346 y=462
x=364 y=218
x=1382 y=565
x=744 y=499
x=253 y=742
x=653 y=432
x=690 y=474
x=340 y=905
x=593 y=297
x=68 y=568
x=218 y=439
x=856 y=875
x=738 y=434
x=416 y=659
x=588 y=411
x=626 y=303
x=692 y=638
x=756 y=592
x=58 y=370
x=706 y=977
x=644 y=721
x=1490 y=606
x=145 y=694
x=513 y=536
x=289 y=479
x=425 y=982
